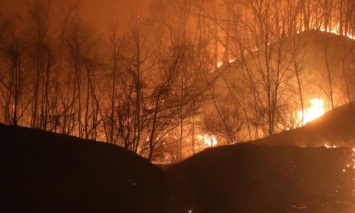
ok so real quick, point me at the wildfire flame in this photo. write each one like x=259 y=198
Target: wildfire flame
x=209 y=140
x=220 y=63
x=314 y=111
x=335 y=31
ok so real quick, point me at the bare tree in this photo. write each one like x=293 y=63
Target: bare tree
x=80 y=43
x=114 y=54
x=42 y=59
x=12 y=79
x=137 y=46
x=328 y=68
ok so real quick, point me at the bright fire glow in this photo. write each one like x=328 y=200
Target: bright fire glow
x=314 y=111
x=209 y=140
x=220 y=63
x=333 y=31
x=330 y=147
x=336 y=32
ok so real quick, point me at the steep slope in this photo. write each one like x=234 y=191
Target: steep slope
x=261 y=178
x=47 y=172
x=243 y=98
x=315 y=52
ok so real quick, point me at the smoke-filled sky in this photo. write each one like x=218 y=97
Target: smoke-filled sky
x=99 y=12
x=96 y=12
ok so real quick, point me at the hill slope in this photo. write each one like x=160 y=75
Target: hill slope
x=261 y=178
x=334 y=128
x=241 y=102
x=47 y=172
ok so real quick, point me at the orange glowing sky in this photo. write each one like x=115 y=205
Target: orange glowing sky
x=96 y=12
x=99 y=12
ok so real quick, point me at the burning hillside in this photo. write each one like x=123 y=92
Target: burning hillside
x=334 y=129
x=143 y=86
x=282 y=86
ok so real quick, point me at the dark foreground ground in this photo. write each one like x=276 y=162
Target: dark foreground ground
x=261 y=178
x=46 y=172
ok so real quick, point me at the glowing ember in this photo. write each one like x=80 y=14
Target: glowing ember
x=314 y=111
x=232 y=60
x=209 y=140
x=330 y=147
x=220 y=63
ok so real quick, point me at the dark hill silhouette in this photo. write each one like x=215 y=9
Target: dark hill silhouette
x=287 y=172
x=47 y=172
x=335 y=128
x=262 y=178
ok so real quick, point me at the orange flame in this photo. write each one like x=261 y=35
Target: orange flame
x=313 y=112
